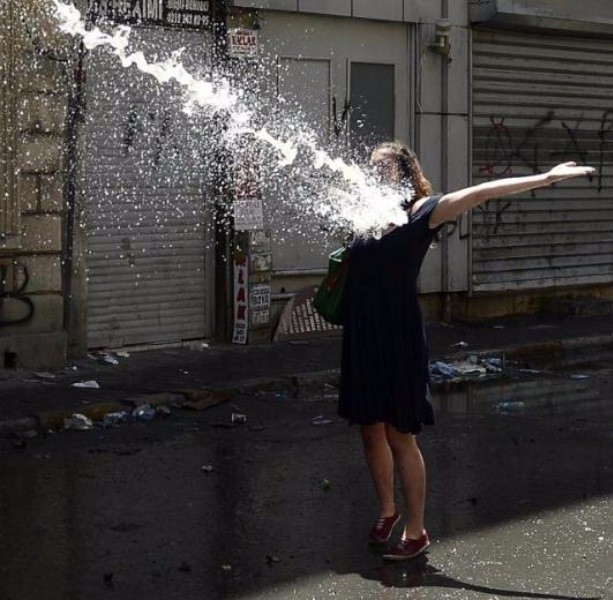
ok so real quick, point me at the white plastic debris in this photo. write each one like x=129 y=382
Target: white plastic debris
x=87 y=384
x=510 y=407
x=78 y=422
x=113 y=419
x=493 y=361
x=144 y=412
x=493 y=365
x=109 y=359
x=447 y=370
x=470 y=368
x=44 y=375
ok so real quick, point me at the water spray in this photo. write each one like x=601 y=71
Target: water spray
x=362 y=206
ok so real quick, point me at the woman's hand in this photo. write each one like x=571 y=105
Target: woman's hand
x=568 y=170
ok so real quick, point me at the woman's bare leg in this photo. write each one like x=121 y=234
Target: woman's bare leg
x=412 y=471
x=381 y=465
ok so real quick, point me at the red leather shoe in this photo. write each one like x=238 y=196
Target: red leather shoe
x=382 y=530
x=406 y=549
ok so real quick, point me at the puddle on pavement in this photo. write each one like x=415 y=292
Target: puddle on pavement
x=538 y=396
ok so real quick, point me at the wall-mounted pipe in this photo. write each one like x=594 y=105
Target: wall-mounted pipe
x=445 y=271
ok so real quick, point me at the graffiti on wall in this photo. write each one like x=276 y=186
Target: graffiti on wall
x=340 y=119
x=507 y=147
x=139 y=127
x=14 y=279
x=547 y=140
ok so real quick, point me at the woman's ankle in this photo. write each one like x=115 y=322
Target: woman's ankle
x=389 y=510
x=412 y=532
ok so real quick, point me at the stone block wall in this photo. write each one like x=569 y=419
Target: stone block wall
x=34 y=63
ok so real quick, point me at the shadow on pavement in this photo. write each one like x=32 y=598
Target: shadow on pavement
x=418 y=573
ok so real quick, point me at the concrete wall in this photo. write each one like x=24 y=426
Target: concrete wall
x=31 y=301
x=410 y=11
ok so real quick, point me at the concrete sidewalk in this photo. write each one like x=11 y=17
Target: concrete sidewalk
x=39 y=401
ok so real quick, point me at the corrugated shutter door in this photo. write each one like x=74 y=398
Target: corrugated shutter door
x=539 y=100
x=144 y=187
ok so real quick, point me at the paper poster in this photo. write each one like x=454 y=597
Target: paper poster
x=259 y=301
x=248 y=214
x=241 y=305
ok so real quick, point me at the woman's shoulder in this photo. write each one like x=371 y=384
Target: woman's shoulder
x=422 y=211
x=425 y=205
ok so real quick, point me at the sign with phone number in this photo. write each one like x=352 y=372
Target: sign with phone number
x=189 y=14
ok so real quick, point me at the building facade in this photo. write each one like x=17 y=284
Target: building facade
x=34 y=100
x=481 y=89
x=106 y=223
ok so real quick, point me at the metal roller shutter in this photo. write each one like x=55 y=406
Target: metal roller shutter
x=144 y=185
x=539 y=100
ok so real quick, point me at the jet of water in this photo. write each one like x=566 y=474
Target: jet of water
x=364 y=206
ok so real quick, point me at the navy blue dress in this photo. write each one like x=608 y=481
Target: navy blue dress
x=384 y=365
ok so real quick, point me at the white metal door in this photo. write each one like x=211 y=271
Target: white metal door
x=314 y=57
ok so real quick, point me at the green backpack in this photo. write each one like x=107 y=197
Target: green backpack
x=328 y=300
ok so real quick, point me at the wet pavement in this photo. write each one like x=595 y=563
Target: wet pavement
x=520 y=501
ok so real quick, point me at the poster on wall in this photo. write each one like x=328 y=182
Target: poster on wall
x=248 y=207
x=188 y=14
x=241 y=305
x=248 y=214
x=259 y=301
x=242 y=42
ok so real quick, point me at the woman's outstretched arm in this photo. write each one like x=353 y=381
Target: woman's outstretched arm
x=454 y=204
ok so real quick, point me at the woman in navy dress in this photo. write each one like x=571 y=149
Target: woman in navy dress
x=384 y=367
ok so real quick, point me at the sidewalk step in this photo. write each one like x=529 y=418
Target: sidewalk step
x=581 y=308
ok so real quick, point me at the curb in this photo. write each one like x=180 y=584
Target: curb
x=571 y=351
x=589 y=341
x=44 y=421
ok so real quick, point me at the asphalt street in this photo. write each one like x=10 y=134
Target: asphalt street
x=186 y=507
